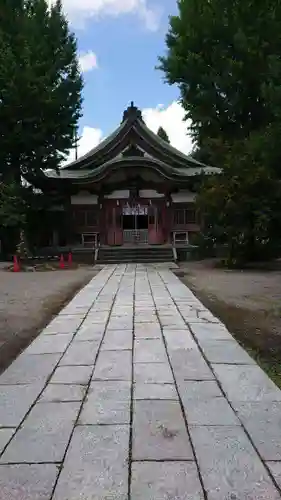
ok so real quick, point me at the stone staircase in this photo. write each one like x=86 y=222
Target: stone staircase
x=141 y=254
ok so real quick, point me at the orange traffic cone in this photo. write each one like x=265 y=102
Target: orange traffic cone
x=61 y=262
x=70 y=259
x=16 y=268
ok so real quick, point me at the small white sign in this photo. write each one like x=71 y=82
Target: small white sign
x=135 y=210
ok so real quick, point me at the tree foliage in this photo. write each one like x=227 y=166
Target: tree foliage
x=163 y=135
x=12 y=206
x=242 y=208
x=225 y=58
x=24 y=211
x=40 y=87
x=40 y=105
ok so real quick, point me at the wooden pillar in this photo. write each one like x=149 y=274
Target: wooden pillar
x=102 y=221
x=55 y=238
x=169 y=219
x=165 y=222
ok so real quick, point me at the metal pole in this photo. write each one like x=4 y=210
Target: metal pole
x=76 y=145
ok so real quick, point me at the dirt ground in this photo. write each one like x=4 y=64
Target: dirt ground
x=248 y=302
x=28 y=300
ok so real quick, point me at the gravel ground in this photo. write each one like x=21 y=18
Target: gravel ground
x=248 y=302
x=29 y=300
x=255 y=290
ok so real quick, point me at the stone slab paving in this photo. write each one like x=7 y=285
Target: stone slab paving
x=135 y=391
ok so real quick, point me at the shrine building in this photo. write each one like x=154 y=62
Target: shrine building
x=132 y=189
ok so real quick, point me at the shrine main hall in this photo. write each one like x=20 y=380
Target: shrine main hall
x=134 y=188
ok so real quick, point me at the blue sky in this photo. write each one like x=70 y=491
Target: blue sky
x=119 y=42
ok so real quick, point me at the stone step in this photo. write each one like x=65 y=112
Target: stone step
x=149 y=254
x=120 y=255
x=133 y=261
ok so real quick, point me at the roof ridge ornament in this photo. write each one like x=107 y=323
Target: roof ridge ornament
x=132 y=113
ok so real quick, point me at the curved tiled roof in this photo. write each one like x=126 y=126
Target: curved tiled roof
x=103 y=170
x=155 y=153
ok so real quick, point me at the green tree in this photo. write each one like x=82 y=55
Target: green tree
x=40 y=87
x=12 y=206
x=242 y=208
x=13 y=210
x=40 y=103
x=225 y=58
x=163 y=135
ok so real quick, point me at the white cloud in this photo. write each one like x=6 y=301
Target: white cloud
x=170 y=118
x=88 y=61
x=90 y=137
x=172 y=121
x=79 y=11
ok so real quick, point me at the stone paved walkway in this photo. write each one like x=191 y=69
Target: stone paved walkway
x=136 y=392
